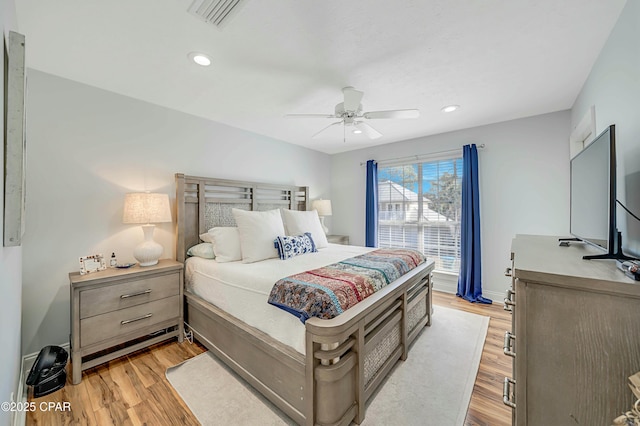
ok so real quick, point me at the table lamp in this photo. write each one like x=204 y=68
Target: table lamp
x=323 y=207
x=147 y=208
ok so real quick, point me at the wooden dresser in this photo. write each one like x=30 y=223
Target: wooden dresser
x=577 y=335
x=118 y=311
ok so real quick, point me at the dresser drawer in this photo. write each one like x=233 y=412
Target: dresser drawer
x=103 y=327
x=118 y=296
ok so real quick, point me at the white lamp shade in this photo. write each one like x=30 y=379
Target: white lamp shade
x=323 y=207
x=146 y=207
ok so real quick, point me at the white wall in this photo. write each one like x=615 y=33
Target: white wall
x=88 y=147
x=613 y=86
x=10 y=265
x=524 y=184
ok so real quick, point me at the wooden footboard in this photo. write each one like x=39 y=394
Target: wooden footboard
x=347 y=357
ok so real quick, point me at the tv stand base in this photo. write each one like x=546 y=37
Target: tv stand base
x=616 y=254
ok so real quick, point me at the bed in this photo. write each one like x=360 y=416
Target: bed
x=331 y=368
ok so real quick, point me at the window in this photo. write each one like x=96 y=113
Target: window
x=419 y=207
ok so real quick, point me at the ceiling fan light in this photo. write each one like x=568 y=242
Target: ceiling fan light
x=357 y=131
x=450 y=108
x=200 y=58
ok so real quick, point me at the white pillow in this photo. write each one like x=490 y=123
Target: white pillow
x=258 y=230
x=226 y=243
x=205 y=237
x=204 y=250
x=298 y=222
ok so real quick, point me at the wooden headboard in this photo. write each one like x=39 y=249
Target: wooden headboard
x=203 y=203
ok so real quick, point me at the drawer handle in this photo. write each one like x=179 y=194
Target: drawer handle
x=508 y=300
x=507 y=272
x=507 y=349
x=140 y=293
x=136 y=319
x=506 y=392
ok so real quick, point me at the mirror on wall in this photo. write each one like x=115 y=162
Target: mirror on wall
x=14 y=139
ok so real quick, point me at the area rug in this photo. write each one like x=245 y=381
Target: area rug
x=432 y=387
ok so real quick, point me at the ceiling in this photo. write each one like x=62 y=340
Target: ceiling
x=497 y=59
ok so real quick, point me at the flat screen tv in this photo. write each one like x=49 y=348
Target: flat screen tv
x=593 y=196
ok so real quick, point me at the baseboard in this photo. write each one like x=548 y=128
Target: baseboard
x=20 y=416
x=448 y=283
x=22 y=394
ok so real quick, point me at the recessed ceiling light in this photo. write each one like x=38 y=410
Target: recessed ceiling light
x=450 y=108
x=200 y=58
x=357 y=131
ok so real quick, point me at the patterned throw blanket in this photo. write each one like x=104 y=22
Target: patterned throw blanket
x=328 y=291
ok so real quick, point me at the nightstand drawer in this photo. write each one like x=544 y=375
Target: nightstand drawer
x=112 y=324
x=118 y=296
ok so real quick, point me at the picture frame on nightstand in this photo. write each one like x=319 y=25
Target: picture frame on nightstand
x=92 y=263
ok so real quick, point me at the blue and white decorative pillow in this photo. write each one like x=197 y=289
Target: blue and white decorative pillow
x=289 y=247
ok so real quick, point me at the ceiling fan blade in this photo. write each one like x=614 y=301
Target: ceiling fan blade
x=310 y=116
x=396 y=113
x=352 y=98
x=369 y=131
x=330 y=125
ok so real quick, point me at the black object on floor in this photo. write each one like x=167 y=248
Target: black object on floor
x=48 y=374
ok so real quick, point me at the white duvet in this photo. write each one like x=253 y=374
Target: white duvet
x=242 y=289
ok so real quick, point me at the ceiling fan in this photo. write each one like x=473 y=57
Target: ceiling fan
x=350 y=114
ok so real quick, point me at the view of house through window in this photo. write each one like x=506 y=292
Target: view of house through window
x=420 y=206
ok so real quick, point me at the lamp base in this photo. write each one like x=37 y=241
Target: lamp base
x=148 y=252
x=324 y=227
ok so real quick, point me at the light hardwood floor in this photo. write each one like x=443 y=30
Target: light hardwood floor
x=486 y=407
x=133 y=390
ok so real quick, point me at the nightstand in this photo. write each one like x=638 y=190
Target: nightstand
x=119 y=311
x=338 y=239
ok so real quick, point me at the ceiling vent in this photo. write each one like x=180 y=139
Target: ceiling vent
x=216 y=12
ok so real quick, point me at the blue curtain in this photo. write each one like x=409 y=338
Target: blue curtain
x=371 y=230
x=470 y=279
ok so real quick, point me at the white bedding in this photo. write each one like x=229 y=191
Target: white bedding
x=242 y=289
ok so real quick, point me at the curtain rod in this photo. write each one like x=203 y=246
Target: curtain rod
x=419 y=156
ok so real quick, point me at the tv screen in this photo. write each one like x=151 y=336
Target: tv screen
x=593 y=192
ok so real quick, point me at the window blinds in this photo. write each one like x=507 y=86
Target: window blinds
x=419 y=207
